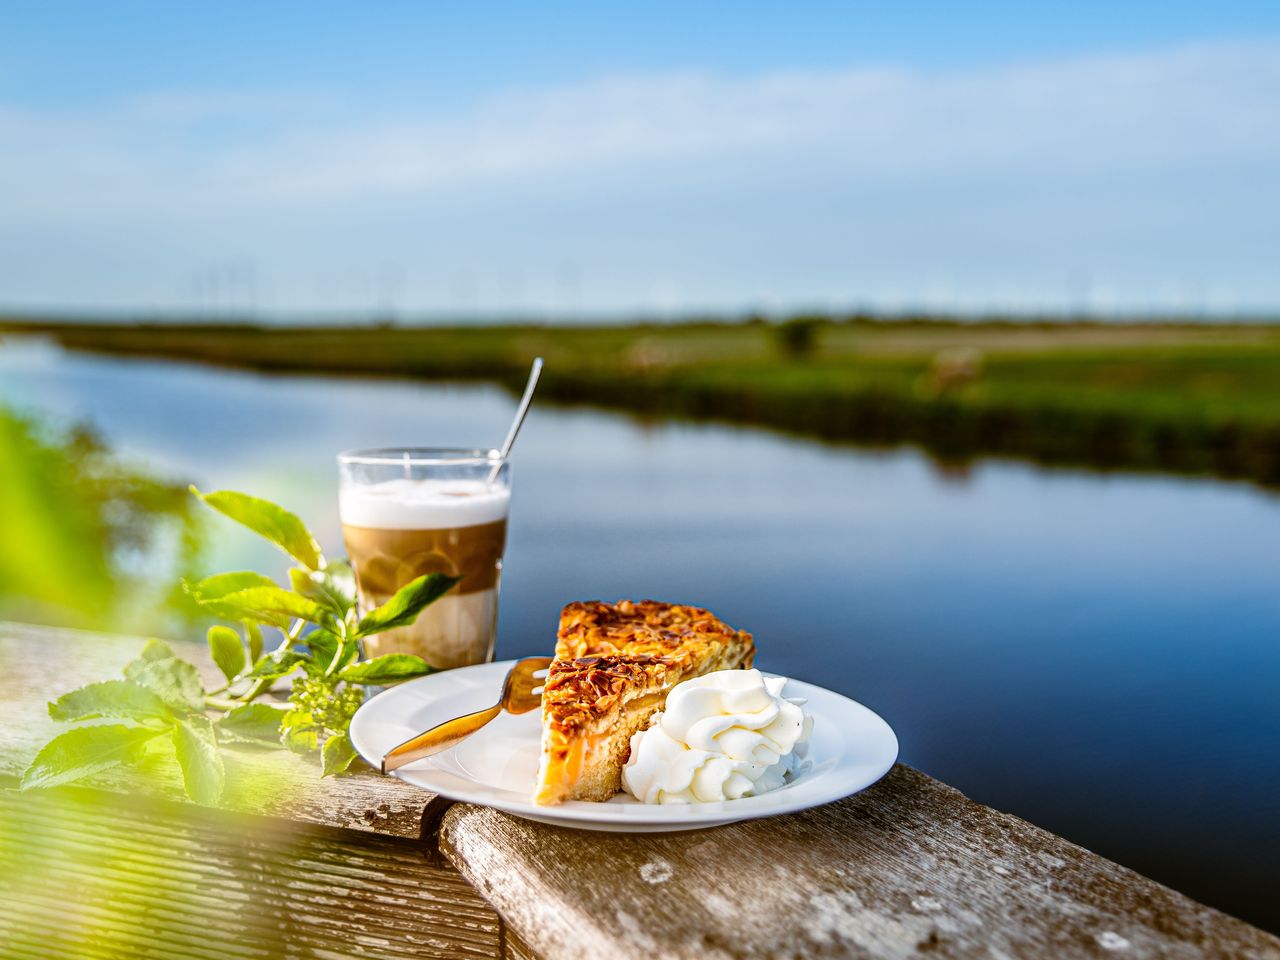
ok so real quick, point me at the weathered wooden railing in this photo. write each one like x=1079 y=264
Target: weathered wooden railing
x=366 y=866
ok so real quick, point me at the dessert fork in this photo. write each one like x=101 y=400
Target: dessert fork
x=521 y=692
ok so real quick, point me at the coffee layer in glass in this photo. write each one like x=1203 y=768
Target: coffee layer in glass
x=414 y=512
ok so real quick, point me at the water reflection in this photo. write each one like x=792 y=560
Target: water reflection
x=1096 y=653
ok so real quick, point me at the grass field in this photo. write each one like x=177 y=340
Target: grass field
x=1185 y=398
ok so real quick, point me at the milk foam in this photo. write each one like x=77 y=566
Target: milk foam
x=405 y=504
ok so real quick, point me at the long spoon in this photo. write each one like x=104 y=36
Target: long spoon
x=521 y=692
x=534 y=372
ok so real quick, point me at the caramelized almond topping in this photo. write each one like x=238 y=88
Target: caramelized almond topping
x=593 y=627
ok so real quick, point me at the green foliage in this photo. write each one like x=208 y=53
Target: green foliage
x=221 y=584
x=196 y=747
x=155 y=649
x=251 y=723
x=388 y=668
x=121 y=699
x=329 y=651
x=253 y=637
x=227 y=651
x=334 y=588
x=337 y=755
x=272 y=522
x=270 y=605
x=1172 y=396
x=77 y=522
x=320 y=703
x=84 y=751
x=300 y=732
x=410 y=600
x=173 y=681
x=278 y=663
x=797 y=337
x=162 y=693
x=217 y=596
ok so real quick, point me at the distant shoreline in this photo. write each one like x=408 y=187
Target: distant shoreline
x=13 y=315
x=1180 y=397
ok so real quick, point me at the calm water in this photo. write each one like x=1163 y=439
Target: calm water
x=1099 y=654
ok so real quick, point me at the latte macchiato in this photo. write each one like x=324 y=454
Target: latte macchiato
x=399 y=529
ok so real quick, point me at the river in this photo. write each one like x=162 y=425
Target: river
x=1096 y=653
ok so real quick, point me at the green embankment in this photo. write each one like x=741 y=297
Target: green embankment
x=1203 y=399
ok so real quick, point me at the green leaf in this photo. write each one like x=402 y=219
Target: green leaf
x=403 y=608
x=321 y=588
x=210 y=592
x=337 y=755
x=269 y=604
x=389 y=668
x=349 y=652
x=227 y=651
x=174 y=681
x=323 y=645
x=202 y=770
x=270 y=521
x=340 y=577
x=251 y=723
x=220 y=584
x=233 y=612
x=152 y=651
x=253 y=634
x=301 y=732
x=278 y=663
x=156 y=650
x=329 y=652
x=111 y=698
x=85 y=751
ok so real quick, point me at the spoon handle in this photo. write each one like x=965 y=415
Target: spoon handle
x=534 y=372
x=439 y=738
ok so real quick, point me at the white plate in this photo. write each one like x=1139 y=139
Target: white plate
x=850 y=749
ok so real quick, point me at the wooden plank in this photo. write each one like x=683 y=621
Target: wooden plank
x=514 y=948
x=329 y=867
x=40 y=663
x=87 y=874
x=908 y=868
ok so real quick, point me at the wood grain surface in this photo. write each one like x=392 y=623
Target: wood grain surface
x=303 y=866
x=93 y=875
x=909 y=868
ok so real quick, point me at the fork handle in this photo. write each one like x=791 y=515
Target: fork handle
x=438 y=738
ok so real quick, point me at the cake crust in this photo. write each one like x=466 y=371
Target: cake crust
x=595 y=628
x=615 y=664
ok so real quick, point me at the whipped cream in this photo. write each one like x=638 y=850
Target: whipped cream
x=726 y=735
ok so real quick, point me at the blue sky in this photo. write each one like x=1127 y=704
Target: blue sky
x=559 y=159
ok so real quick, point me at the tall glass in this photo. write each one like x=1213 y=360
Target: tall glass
x=409 y=511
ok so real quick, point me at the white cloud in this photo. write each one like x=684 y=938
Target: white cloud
x=1181 y=106
x=1002 y=176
